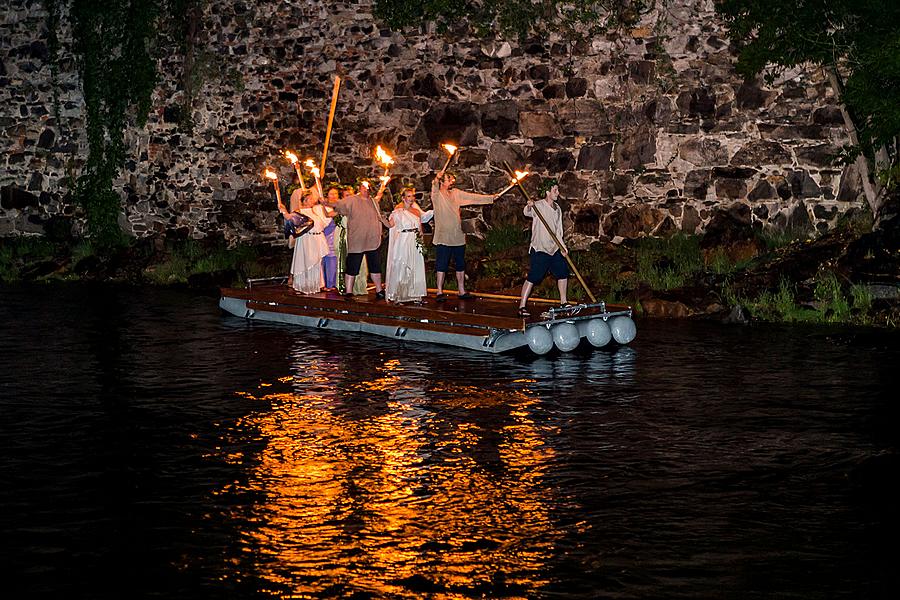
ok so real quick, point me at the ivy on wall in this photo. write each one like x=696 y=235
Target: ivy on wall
x=111 y=42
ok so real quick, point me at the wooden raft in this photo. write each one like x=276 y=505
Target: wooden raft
x=477 y=317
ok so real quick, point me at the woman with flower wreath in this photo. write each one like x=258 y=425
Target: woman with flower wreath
x=405 y=258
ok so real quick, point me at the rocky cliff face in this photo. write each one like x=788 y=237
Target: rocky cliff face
x=650 y=133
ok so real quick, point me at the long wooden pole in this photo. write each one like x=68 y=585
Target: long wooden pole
x=334 y=99
x=553 y=235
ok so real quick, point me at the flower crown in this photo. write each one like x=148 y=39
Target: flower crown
x=545 y=186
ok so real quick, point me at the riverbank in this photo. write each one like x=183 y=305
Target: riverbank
x=734 y=273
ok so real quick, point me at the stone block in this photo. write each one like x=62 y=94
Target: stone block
x=572 y=186
x=576 y=87
x=762 y=191
x=500 y=153
x=632 y=221
x=762 y=152
x=12 y=197
x=780 y=131
x=820 y=155
x=500 y=120
x=698 y=102
x=449 y=122
x=802 y=185
x=637 y=149
x=539 y=124
x=594 y=157
x=584 y=117
x=828 y=115
x=703 y=152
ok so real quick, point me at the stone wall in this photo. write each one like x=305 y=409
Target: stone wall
x=650 y=133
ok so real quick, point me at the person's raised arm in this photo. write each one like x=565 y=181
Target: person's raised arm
x=471 y=198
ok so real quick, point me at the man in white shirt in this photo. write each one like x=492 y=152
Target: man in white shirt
x=545 y=254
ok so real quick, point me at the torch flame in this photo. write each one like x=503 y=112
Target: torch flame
x=385 y=178
x=450 y=148
x=270 y=174
x=291 y=157
x=520 y=175
x=383 y=157
x=315 y=172
x=365 y=184
x=309 y=163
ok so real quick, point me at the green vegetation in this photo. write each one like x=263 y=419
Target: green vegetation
x=831 y=304
x=113 y=43
x=35 y=258
x=503 y=237
x=118 y=75
x=667 y=263
x=190 y=257
x=18 y=254
x=502 y=268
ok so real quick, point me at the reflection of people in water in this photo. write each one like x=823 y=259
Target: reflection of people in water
x=424 y=463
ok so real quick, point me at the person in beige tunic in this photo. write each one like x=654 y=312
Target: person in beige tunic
x=364 y=223
x=449 y=239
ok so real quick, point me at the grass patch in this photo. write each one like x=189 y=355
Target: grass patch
x=502 y=268
x=831 y=304
x=190 y=257
x=17 y=253
x=503 y=237
x=773 y=239
x=834 y=306
x=666 y=263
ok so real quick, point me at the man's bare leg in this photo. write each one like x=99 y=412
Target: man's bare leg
x=440 y=281
x=526 y=291
x=376 y=279
x=563 y=285
x=461 y=282
x=349 y=280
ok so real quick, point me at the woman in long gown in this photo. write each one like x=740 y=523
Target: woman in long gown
x=310 y=249
x=405 y=261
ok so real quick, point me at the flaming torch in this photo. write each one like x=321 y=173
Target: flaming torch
x=316 y=174
x=519 y=176
x=451 y=150
x=386 y=160
x=270 y=174
x=296 y=162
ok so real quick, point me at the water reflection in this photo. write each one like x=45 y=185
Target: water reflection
x=379 y=474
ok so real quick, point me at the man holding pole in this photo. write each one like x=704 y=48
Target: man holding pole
x=449 y=239
x=547 y=251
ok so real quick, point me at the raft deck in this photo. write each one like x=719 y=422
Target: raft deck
x=485 y=323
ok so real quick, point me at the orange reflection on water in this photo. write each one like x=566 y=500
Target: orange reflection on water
x=389 y=484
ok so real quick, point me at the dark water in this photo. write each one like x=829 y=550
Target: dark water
x=153 y=447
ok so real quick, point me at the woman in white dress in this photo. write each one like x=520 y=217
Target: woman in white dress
x=405 y=261
x=311 y=247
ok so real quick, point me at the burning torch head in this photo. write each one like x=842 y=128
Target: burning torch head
x=383 y=157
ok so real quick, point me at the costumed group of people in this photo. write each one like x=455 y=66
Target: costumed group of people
x=343 y=232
